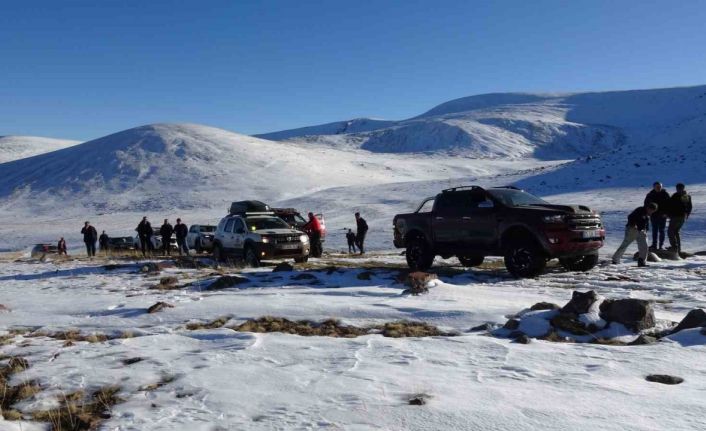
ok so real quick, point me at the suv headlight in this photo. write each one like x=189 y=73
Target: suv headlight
x=265 y=239
x=304 y=238
x=553 y=219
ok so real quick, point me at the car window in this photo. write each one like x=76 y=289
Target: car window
x=229 y=226
x=299 y=219
x=193 y=229
x=239 y=225
x=266 y=223
x=454 y=203
x=208 y=228
x=516 y=198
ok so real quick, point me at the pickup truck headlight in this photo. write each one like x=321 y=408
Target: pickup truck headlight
x=553 y=219
x=304 y=238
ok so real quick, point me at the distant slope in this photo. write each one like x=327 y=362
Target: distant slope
x=518 y=125
x=357 y=125
x=20 y=147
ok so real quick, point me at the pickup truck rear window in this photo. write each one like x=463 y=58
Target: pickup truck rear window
x=456 y=203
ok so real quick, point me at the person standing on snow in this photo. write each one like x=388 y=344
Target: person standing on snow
x=90 y=236
x=658 y=220
x=313 y=229
x=350 y=237
x=166 y=231
x=103 y=242
x=636 y=230
x=361 y=231
x=181 y=230
x=679 y=212
x=61 y=247
x=144 y=231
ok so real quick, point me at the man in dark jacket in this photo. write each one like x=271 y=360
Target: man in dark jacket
x=90 y=236
x=181 y=230
x=658 y=220
x=636 y=230
x=361 y=231
x=144 y=231
x=679 y=212
x=103 y=242
x=166 y=231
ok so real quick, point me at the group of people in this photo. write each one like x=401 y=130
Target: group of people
x=145 y=234
x=658 y=207
x=357 y=239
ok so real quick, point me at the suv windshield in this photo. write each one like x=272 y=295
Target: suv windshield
x=261 y=223
x=207 y=228
x=515 y=198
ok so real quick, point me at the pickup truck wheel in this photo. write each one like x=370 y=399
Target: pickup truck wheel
x=218 y=254
x=525 y=259
x=471 y=261
x=419 y=255
x=251 y=258
x=580 y=263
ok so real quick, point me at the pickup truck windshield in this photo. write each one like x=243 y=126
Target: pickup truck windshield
x=266 y=223
x=207 y=228
x=515 y=198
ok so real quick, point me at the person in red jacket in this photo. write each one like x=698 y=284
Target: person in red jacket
x=313 y=229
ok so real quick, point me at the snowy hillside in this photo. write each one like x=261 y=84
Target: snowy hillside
x=20 y=147
x=546 y=126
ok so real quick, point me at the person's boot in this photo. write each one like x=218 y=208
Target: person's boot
x=641 y=263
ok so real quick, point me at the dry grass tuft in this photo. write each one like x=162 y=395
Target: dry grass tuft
x=78 y=412
x=167 y=283
x=208 y=325
x=327 y=328
x=165 y=380
x=404 y=328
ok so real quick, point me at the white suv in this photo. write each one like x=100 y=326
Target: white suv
x=259 y=236
x=200 y=237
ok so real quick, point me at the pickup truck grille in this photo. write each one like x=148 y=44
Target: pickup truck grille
x=584 y=222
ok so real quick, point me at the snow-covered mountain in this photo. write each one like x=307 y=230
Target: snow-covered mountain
x=516 y=125
x=20 y=147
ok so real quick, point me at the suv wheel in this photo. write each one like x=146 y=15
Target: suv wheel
x=471 y=261
x=251 y=258
x=419 y=255
x=524 y=259
x=218 y=254
x=580 y=263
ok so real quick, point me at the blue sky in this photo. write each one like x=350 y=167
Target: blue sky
x=83 y=69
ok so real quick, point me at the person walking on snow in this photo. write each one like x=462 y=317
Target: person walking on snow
x=166 y=231
x=636 y=230
x=90 y=236
x=679 y=212
x=658 y=220
x=181 y=230
x=350 y=236
x=313 y=229
x=361 y=231
x=144 y=231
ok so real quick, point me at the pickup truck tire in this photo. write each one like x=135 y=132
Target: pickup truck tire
x=471 y=261
x=580 y=263
x=218 y=254
x=525 y=259
x=251 y=258
x=419 y=254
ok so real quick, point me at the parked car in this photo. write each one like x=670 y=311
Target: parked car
x=156 y=240
x=121 y=243
x=472 y=222
x=200 y=237
x=254 y=233
x=40 y=250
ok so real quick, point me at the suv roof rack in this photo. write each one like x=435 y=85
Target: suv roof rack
x=462 y=188
x=245 y=207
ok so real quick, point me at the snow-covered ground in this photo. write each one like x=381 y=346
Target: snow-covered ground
x=603 y=150
x=21 y=147
x=223 y=379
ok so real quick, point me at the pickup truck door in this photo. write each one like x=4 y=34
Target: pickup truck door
x=446 y=219
x=479 y=222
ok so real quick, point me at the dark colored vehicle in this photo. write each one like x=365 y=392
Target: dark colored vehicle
x=295 y=219
x=472 y=223
x=121 y=243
